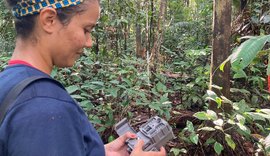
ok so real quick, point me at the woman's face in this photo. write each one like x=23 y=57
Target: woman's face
x=70 y=40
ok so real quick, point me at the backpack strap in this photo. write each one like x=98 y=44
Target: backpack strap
x=9 y=100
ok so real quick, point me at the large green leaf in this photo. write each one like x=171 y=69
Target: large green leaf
x=194 y=138
x=72 y=89
x=230 y=141
x=246 y=52
x=218 y=148
x=201 y=115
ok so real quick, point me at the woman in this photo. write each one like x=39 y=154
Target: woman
x=46 y=121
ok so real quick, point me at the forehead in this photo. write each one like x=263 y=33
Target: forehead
x=90 y=14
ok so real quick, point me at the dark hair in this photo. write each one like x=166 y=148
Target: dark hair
x=25 y=25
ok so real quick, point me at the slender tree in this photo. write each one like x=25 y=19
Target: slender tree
x=138 y=32
x=159 y=33
x=221 y=50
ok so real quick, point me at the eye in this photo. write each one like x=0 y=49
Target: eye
x=87 y=31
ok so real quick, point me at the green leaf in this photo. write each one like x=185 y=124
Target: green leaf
x=247 y=51
x=222 y=65
x=97 y=83
x=201 y=115
x=209 y=141
x=242 y=106
x=239 y=74
x=266 y=111
x=211 y=114
x=161 y=87
x=266 y=116
x=72 y=89
x=219 y=102
x=154 y=106
x=87 y=105
x=217 y=87
x=266 y=19
x=211 y=94
x=113 y=91
x=241 y=119
x=101 y=129
x=54 y=72
x=236 y=90
x=218 y=148
x=177 y=151
x=111 y=138
x=229 y=141
x=78 y=97
x=190 y=126
x=245 y=54
x=255 y=99
x=230 y=121
x=114 y=82
x=219 y=128
x=218 y=122
x=243 y=128
x=255 y=116
x=226 y=100
x=209 y=129
x=164 y=98
x=194 y=138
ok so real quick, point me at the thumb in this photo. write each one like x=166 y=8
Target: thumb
x=162 y=150
x=139 y=145
x=126 y=136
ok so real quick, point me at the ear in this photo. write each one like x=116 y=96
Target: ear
x=48 y=19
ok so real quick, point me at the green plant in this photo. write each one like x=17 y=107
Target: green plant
x=249 y=69
x=110 y=90
x=193 y=70
x=243 y=55
x=221 y=131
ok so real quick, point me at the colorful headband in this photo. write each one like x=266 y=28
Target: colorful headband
x=31 y=7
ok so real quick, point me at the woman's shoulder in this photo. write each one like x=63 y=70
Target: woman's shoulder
x=47 y=90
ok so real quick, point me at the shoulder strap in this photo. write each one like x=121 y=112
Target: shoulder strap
x=9 y=100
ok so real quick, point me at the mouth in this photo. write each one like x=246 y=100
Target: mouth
x=80 y=53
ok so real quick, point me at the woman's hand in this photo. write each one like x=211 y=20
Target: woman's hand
x=137 y=151
x=118 y=147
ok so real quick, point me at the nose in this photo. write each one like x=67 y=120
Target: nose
x=89 y=42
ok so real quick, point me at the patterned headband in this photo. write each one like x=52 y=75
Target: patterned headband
x=31 y=7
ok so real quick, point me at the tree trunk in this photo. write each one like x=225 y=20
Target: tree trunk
x=139 y=47
x=159 y=33
x=243 y=4
x=152 y=27
x=125 y=37
x=221 y=50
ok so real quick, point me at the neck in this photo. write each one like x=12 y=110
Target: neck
x=30 y=51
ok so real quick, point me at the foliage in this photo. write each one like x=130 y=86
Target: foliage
x=7 y=34
x=245 y=54
x=249 y=66
x=110 y=91
x=244 y=121
x=193 y=68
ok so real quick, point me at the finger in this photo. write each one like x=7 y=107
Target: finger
x=126 y=136
x=139 y=145
x=163 y=151
x=131 y=135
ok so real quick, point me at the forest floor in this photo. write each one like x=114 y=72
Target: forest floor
x=178 y=122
